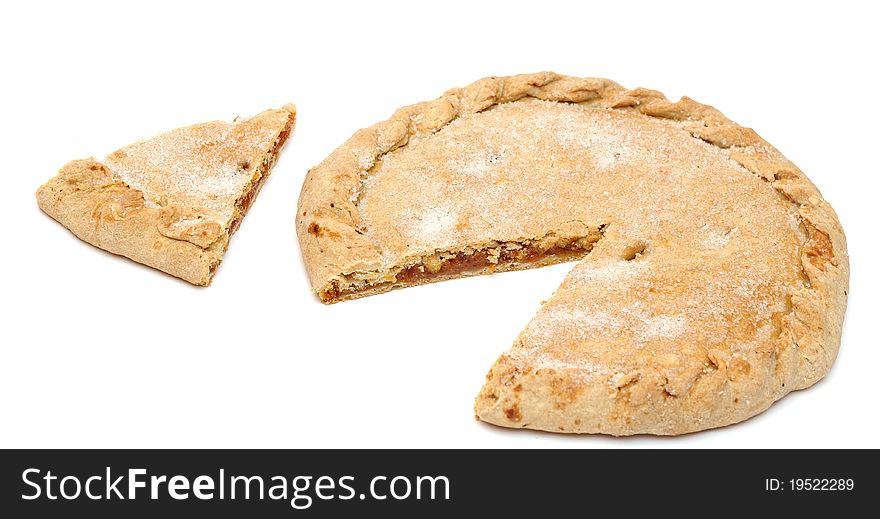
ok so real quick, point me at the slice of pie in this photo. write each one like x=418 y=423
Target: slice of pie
x=172 y=201
x=711 y=276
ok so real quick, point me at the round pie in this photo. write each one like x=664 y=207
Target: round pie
x=711 y=275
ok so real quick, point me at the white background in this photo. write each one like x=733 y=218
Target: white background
x=98 y=351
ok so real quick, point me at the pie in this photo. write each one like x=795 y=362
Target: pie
x=172 y=201
x=710 y=277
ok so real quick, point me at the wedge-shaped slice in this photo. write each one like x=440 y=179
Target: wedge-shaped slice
x=172 y=201
x=713 y=275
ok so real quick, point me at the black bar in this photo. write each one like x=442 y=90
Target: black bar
x=514 y=483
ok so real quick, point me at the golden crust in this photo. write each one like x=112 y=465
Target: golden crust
x=698 y=318
x=173 y=201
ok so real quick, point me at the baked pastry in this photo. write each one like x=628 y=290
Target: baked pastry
x=172 y=201
x=712 y=275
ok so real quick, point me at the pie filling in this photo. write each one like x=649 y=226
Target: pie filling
x=247 y=199
x=445 y=265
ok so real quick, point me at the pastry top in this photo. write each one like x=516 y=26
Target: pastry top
x=526 y=169
x=173 y=200
x=204 y=168
x=715 y=247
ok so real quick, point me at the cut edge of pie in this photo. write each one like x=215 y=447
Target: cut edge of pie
x=104 y=207
x=478 y=259
x=344 y=263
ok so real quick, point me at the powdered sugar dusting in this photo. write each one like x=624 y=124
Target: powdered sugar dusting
x=611 y=270
x=184 y=224
x=581 y=323
x=665 y=326
x=536 y=359
x=204 y=167
x=365 y=158
x=715 y=239
x=436 y=223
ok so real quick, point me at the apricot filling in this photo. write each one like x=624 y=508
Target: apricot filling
x=446 y=265
x=245 y=201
